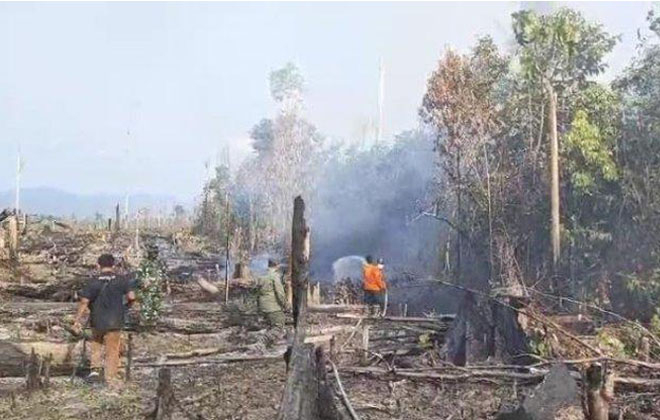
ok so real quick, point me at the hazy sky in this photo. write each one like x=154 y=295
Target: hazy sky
x=108 y=96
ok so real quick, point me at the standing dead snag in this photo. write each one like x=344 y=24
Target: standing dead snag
x=645 y=349
x=365 y=344
x=307 y=395
x=299 y=260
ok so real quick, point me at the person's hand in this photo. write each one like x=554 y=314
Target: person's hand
x=76 y=327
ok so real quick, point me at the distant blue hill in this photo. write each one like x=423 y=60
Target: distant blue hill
x=55 y=202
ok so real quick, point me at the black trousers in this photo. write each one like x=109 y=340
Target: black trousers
x=374 y=298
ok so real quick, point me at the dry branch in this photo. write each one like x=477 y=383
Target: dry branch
x=333 y=308
x=219 y=360
x=491 y=376
x=344 y=397
x=413 y=320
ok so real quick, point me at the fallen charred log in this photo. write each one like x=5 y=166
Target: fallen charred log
x=60 y=291
x=13 y=356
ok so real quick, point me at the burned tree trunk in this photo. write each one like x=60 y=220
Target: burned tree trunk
x=307 y=395
x=13 y=355
x=33 y=380
x=299 y=262
x=46 y=371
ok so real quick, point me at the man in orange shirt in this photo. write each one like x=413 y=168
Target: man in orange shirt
x=373 y=285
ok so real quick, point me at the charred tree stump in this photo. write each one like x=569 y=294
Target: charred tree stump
x=25 y=224
x=13 y=356
x=645 y=349
x=117 y=218
x=164 y=396
x=333 y=346
x=32 y=381
x=600 y=391
x=485 y=328
x=12 y=241
x=365 y=344
x=316 y=294
x=307 y=395
x=47 y=364
x=240 y=271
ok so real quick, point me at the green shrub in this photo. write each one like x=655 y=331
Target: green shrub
x=150 y=277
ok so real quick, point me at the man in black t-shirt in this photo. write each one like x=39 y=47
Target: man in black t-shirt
x=104 y=297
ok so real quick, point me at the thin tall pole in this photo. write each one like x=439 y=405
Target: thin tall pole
x=226 y=246
x=137 y=232
x=227 y=270
x=554 y=176
x=227 y=225
x=126 y=216
x=459 y=239
x=490 y=218
x=19 y=168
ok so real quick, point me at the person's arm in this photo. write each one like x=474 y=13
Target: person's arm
x=83 y=307
x=129 y=290
x=130 y=298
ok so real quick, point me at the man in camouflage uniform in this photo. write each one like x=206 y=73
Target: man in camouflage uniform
x=271 y=297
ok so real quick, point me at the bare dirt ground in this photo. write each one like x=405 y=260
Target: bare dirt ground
x=207 y=388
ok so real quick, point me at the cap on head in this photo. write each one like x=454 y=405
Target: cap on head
x=381 y=261
x=106 y=261
x=369 y=259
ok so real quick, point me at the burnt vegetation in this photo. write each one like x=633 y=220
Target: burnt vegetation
x=518 y=222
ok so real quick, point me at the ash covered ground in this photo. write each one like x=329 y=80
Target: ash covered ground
x=198 y=335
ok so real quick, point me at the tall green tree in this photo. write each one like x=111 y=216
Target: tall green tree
x=460 y=103
x=559 y=52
